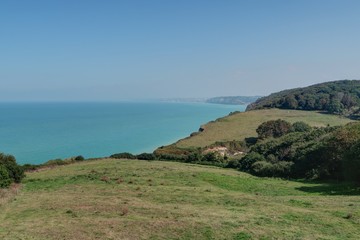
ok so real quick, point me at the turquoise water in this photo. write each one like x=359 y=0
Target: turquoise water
x=37 y=132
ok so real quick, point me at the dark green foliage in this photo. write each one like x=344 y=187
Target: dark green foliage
x=246 y=163
x=123 y=155
x=210 y=157
x=79 y=158
x=194 y=157
x=301 y=127
x=30 y=167
x=339 y=97
x=10 y=171
x=179 y=155
x=5 y=180
x=265 y=168
x=273 y=128
x=343 y=151
x=352 y=163
x=16 y=172
x=319 y=153
x=146 y=156
x=173 y=157
x=233 y=163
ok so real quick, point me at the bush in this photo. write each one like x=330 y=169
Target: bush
x=273 y=128
x=30 y=167
x=301 y=127
x=125 y=155
x=172 y=157
x=211 y=157
x=351 y=164
x=5 y=180
x=146 y=156
x=194 y=157
x=246 y=163
x=233 y=163
x=16 y=172
x=267 y=169
x=79 y=158
x=54 y=162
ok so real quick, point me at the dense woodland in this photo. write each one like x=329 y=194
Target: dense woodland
x=337 y=97
x=299 y=151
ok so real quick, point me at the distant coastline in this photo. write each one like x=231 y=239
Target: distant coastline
x=226 y=100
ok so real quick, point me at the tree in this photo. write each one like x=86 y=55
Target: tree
x=348 y=101
x=16 y=172
x=290 y=102
x=335 y=106
x=301 y=127
x=352 y=163
x=5 y=180
x=273 y=128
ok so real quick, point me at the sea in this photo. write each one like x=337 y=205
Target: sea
x=37 y=132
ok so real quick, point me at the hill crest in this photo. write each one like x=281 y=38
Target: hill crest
x=337 y=97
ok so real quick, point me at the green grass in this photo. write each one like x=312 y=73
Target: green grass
x=131 y=199
x=243 y=125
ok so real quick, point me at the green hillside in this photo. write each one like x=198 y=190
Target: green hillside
x=340 y=97
x=131 y=199
x=243 y=125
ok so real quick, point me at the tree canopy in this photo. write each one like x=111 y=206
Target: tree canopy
x=338 y=97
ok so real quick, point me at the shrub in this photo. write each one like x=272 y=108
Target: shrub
x=30 y=167
x=5 y=180
x=301 y=127
x=193 y=157
x=172 y=157
x=210 y=157
x=125 y=155
x=54 y=162
x=352 y=163
x=79 y=158
x=233 y=163
x=246 y=163
x=146 y=156
x=273 y=128
x=267 y=169
x=16 y=172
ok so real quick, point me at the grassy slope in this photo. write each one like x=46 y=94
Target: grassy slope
x=166 y=200
x=242 y=125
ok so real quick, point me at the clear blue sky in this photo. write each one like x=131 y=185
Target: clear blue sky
x=113 y=50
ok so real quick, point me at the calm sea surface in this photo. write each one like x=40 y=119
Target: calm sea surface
x=37 y=132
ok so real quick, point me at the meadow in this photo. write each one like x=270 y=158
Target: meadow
x=241 y=125
x=132 y=199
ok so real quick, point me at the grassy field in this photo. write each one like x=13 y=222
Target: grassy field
x=131 y=199
x=243 y=125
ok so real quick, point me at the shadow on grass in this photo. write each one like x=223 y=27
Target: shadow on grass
x=329 y=188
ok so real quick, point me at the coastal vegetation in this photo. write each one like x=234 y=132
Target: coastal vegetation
x=232 y=136
x=243 y=125
x=318 y=153
x=337 y=97
x=10 y=171
x=275 y=137
x=295 y=175
x=132 y=199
